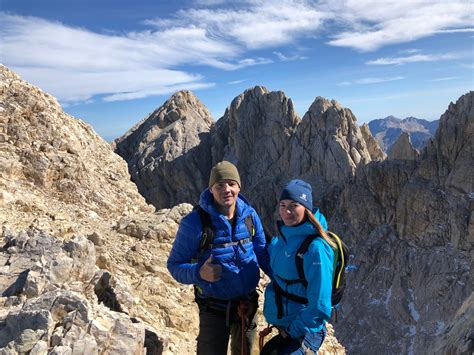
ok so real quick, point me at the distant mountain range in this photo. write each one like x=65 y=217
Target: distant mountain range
x=387 y=130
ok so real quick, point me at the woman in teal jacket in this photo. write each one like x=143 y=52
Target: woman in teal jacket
x=299 y=309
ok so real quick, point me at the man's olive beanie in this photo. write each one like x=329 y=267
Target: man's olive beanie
x=224 y=171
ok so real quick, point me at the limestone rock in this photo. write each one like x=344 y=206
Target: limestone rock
x=409 y=224
x=376 y=153
x=64 y=313
x=50 y=160
x=178 y=129
x=402 y=149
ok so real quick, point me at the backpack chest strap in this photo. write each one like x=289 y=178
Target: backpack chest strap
x=240 y=243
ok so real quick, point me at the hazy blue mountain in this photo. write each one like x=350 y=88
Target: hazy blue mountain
x=387 y=130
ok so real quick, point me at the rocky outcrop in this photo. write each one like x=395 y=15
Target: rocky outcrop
x=376 y=153
x=411 y=270
x=331 y=143
x=169 y=150
x=50 y=160
x=52 y=292
x=448 y=157
x=402 y=149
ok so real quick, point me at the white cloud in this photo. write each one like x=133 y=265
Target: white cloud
x=412 y=59
x=373 y=24
x=370 y=80
x=255 y=24
x=76 y=64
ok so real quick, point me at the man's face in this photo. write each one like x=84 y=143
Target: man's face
x=225 y=192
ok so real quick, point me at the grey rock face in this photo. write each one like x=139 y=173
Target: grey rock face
x=54 y=309
x=449 y=154
x=402 y=149
x=376 y=153
x=412 y=265
x=168 y=152
x=333 y=140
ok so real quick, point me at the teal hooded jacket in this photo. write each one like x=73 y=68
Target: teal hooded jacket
x=299 y=319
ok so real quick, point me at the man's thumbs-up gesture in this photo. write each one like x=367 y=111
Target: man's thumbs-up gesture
x=210 y=272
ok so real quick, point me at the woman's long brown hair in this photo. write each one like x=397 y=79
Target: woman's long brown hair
x=319 y=228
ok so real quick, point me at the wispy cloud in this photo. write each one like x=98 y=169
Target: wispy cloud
x=412 y=59
x=254 y=24
x=409 y=51
x=75 y=64
x=373 y=26
x=289 y=58
x=234 y=82
x=444 y=79
x=365 y=81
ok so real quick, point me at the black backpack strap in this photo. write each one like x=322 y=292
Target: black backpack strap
x=207 y=229
x=300 y=255
x=280 y=293
x=249 y=224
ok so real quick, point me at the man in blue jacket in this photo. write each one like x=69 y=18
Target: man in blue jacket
x=225 y=271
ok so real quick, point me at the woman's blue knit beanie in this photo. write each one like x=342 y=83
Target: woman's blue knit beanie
x=299 y=191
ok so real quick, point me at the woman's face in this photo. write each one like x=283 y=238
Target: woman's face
x=291 y=212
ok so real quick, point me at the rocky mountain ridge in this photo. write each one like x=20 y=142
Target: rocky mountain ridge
x=262 y=133
x=387 y=130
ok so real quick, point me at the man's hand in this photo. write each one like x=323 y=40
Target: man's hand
x=210 y=272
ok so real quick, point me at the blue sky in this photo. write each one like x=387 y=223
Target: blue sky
x=112 y=62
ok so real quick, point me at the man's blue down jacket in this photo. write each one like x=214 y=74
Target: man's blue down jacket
x=299 y=319
x=240 y=270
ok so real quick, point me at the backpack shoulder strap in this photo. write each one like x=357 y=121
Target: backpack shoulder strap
x=300 y=255
x=250 y=226
x=340 y=259
x=207 y=234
